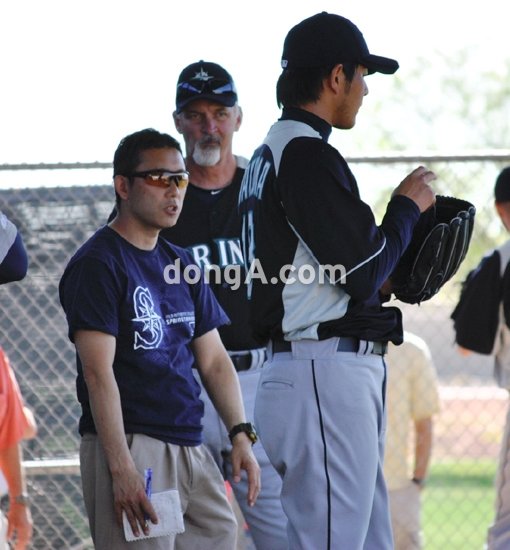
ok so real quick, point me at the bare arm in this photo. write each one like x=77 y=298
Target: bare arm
x=31 y=429
x=423 y=447
x=19 y=517
x=222 y=385
x=97 y=351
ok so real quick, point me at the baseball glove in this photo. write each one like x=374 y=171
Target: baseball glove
x=439 y=245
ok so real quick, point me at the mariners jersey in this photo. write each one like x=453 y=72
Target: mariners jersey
x=123 y=291
x=315 y=256
x=210 y=228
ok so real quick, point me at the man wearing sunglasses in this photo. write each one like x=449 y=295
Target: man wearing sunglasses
x=207 y=115
x=137 y=338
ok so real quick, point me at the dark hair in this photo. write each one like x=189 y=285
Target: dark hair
x=298 y=86
x=502 y=187
x=129 y=151
x=128 y=154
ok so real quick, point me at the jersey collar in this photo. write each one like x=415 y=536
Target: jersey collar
x=317 y=123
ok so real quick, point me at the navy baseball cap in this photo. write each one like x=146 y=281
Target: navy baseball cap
x=502 y=187
x=205 y=80
x=326 y=39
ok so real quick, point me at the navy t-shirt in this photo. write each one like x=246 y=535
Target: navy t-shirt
x=114 y=287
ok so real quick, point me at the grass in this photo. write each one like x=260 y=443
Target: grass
x=458 y=505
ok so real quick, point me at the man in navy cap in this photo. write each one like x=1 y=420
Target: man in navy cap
x=321 y=266
x=207 y=114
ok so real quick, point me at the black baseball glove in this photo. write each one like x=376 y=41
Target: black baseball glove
x=439 y=245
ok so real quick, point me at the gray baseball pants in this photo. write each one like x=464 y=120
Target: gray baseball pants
x=266 y=520
x=321 y=418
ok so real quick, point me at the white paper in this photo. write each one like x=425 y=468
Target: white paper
x=167 y=505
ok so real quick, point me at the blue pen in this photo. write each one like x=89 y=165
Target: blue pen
x=148 y=484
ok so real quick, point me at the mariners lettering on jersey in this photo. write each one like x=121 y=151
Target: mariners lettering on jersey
x=254 y=178
x=227 y=252
x=151 y=333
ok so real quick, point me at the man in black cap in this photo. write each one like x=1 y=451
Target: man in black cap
x=207 y=115
x=319 y=264
x=482 y=325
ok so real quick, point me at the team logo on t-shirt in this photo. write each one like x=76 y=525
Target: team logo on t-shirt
x=151 y=332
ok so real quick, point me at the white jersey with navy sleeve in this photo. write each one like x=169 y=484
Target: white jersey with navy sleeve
x=315 y=255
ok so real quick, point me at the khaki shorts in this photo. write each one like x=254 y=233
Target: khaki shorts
x=405 y=506
x=208 y=518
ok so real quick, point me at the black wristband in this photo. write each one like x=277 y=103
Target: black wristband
x=245 y=427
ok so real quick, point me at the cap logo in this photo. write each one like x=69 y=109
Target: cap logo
x=208 y=81
x=202 y=75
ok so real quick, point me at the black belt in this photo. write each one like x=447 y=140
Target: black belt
x=241 y=362
x=345 y=343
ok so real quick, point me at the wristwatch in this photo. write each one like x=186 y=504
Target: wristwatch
x=247 y=428
x=22 y=499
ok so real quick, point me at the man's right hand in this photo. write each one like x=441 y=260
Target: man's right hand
x=416 y=187
x=129 y=496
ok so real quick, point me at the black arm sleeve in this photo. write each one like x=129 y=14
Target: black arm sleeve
x=476 y=315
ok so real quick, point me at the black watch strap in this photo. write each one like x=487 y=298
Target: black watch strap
x=247 y=428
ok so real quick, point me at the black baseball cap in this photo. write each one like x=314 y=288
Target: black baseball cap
x=502 y=187
x=205 y=80
x=326 y=39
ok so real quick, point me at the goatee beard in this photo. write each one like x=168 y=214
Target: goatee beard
x=207 y=156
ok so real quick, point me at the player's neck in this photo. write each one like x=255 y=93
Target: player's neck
x=139 y=235
x=212 y=177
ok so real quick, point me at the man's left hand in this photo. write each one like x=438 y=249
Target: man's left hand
x=244 y=459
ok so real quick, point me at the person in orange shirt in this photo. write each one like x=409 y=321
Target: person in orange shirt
x=16 y=423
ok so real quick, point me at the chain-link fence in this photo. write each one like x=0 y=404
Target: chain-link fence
x=55 y=220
